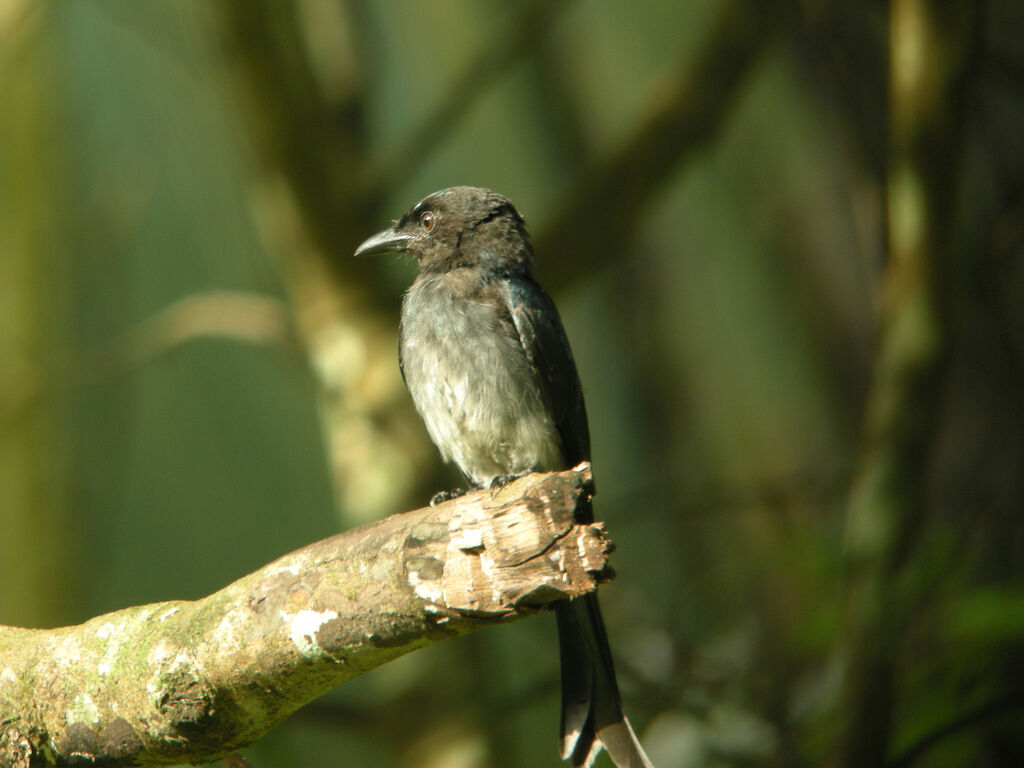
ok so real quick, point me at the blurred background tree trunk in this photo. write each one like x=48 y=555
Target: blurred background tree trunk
x=36 y=517
x=890 y=553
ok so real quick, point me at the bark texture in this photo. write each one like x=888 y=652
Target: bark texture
x=192 y=681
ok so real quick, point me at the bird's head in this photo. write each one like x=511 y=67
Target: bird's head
x=458 y=227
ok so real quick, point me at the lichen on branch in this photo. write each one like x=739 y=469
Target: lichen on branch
x=191 y=681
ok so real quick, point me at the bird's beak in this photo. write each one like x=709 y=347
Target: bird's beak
x=387 y=241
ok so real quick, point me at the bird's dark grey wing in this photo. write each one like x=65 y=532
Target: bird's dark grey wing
x=591 y=710
x=401 y=354
x=546 y=347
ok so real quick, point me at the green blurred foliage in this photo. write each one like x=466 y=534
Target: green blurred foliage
x=726 y=349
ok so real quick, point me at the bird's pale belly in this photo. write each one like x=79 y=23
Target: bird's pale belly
x=479 y=399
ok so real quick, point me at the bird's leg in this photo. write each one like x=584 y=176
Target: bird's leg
x=442 y=496
x=502 y=480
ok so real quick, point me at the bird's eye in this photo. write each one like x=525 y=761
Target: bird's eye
x=428 y=220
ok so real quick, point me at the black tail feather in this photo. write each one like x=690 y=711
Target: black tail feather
x=577 y=678
x=591 y=707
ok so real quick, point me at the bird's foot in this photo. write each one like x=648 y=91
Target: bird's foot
x=442 y=496
x=502 y=480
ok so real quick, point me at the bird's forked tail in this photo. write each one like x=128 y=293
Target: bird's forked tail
x=592 y=716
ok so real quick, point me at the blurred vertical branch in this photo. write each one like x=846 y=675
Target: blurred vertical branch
x=302 y=78
x=307 y=114
x=33 y=507
x=887 y=509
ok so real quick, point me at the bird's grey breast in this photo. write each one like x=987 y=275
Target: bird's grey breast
x=471 y=381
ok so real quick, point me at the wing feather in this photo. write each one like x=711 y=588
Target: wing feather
x=547 y=348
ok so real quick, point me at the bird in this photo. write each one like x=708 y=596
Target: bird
x=488 y=364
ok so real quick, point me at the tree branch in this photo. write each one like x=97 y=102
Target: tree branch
x=533 y=19
x=313 y=136
x=888 y=509
x=192 y=681
x=688 y=115
x=985 y=713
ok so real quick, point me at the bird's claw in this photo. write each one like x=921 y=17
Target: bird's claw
x=502 y=480
x=442 y=496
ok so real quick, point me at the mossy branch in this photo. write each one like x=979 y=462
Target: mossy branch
x=192 y=681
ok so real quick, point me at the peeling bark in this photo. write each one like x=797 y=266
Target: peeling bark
x=192 y=681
